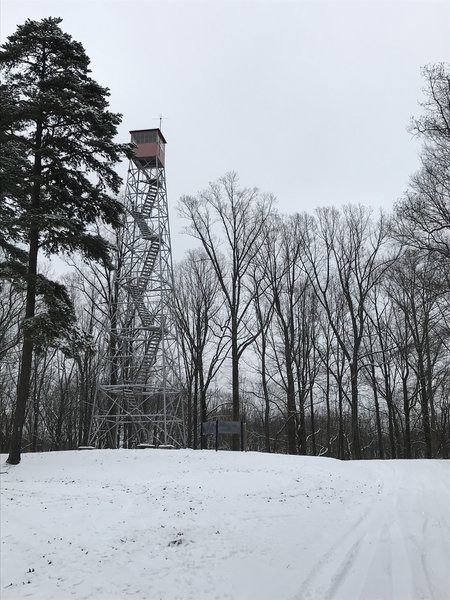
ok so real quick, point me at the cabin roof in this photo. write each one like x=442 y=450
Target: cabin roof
x=154 y=129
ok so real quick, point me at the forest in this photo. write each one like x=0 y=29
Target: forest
x=326 y=332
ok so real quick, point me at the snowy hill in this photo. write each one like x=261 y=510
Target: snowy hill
x=179 y=524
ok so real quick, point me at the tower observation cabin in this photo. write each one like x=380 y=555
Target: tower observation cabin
x=149 y=147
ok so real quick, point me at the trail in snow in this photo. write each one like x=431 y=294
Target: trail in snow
x=398 y=547
x=199 y=525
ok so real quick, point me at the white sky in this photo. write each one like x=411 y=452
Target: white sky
x=308 y=100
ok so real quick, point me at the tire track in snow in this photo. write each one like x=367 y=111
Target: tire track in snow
x=315 y=584
x=358 y=563
x=354 y=576
x=395 y=549
x=428 y=552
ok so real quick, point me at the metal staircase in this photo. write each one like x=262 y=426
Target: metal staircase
x=149 y=356
x=149 y=262
x=139 y=218
x=147 y=319
x=150 y=197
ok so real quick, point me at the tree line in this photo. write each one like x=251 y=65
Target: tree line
x=326 y=332
x=345 y=332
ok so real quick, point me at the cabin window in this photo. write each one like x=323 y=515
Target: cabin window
x=144 y=137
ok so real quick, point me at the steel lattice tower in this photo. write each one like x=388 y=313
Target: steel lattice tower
x=141 y=400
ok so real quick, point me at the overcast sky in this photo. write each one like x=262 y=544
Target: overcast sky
x=308 y=100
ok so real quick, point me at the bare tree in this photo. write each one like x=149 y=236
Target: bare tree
x=282 y=274
x=345 y=248
x=202 y=324
x=423 y=215
x=263 y=312
x=228 y=217
x=416 y=289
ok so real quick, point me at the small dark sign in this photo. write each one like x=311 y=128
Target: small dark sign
x=227 y=427
x=230 y=427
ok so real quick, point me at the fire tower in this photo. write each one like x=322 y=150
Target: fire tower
x=140 y=401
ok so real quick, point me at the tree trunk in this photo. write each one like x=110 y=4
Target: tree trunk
x=26 y=363
x=424 y=405
x=327 y=402
x=235 y=379
x=391 y=428
x=195 y=410
x=36 y=401
x=407 y=410
x=23 y=387
x=377 y=411
x=313 y=425
x=433 y=419
x=203 y=412
x=266 y=394
x=357 y=453
x=291 y=408
x=301 y=431
x=341 y=453
x=189 y=416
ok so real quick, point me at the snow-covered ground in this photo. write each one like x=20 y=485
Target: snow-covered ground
x=179 y=524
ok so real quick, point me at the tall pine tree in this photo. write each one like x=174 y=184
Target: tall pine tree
x=56 y=176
